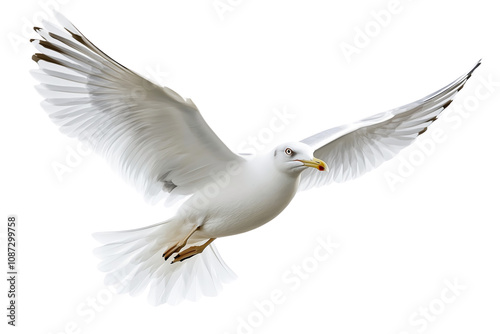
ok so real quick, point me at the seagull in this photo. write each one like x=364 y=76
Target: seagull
x=162 y=145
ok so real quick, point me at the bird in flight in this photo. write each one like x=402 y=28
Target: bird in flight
x=162 y=145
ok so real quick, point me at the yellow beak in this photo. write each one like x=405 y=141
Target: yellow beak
x=315 y=163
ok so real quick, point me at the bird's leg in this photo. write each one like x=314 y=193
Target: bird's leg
x=178 y=246
x=191 y=251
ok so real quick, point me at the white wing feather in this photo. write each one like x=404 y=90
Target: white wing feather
x=354 y=149
x=158 y=140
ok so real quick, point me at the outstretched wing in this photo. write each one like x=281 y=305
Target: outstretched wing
x=159 y=141
x=354 y=149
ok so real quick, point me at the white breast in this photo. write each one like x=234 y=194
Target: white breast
x=252 y=197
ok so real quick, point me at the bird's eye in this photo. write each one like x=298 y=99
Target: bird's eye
x=288 y=151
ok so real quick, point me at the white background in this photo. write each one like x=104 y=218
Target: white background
x=398 y=245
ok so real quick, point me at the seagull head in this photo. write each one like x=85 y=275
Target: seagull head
x=295 y=157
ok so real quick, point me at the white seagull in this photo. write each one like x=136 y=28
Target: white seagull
x=163 y=146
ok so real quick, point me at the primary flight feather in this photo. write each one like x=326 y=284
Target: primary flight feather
x=163 y=146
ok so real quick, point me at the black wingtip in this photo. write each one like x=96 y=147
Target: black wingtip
x=447 y=104
x=474 y=68
x=422 y=131
x=40 y=56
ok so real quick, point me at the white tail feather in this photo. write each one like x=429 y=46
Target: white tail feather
x=133 y=260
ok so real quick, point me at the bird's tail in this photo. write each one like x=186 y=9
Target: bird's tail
x=133 y=262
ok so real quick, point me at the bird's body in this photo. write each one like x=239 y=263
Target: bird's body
x=234 y=201
x=241 y=200
x=162 y=145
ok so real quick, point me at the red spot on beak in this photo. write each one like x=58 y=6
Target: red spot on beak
x=321 y=168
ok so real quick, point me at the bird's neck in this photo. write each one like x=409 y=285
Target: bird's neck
x=286 y=180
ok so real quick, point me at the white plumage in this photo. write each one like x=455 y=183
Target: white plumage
x=132 y=260
x=142 y=129
x=354 y=149
x=162 y=145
